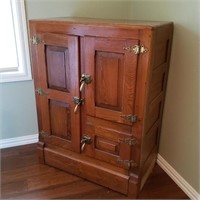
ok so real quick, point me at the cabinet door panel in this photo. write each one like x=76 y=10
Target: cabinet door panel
x=59 y=75
x=108 y=77
x=58 y=68
x=113 y=70
x=108 y=142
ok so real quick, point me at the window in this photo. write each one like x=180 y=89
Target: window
x=14 y=49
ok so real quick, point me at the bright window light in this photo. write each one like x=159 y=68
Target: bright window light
x=14 y=51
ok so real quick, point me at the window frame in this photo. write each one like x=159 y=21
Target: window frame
x=23 y=71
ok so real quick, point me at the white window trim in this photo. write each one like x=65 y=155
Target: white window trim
x=24 y=69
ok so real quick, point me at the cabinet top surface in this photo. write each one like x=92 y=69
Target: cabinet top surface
x=103 y=22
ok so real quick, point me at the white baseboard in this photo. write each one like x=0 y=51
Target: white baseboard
x=178 y=179
x=17 y=141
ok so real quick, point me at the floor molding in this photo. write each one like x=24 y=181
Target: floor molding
x=17 y=141
x=178 y=179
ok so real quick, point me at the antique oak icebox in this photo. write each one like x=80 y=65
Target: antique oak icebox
x=100 y=89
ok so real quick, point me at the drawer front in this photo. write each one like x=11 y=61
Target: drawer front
x=110 y=142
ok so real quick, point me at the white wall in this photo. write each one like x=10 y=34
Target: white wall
x=17 y=110
x=80 y=8
x=180 y=136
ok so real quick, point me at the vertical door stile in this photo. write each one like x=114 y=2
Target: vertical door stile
x=89 y=59
x=74 y=79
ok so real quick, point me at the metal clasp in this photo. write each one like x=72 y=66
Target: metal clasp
x=85 y=140
x=78 y=101
x=85 y=79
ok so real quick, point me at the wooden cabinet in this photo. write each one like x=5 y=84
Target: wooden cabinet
x=100 y=88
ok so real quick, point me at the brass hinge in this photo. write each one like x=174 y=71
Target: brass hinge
x=128 y=163
x=136 y=49
x=39 y=91
x=35 y=40
x=44 y=134
x=129 y=141
x=130 y=118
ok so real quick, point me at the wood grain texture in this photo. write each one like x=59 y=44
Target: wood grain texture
x=22 y=177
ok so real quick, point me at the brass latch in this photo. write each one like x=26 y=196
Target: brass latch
x=128 y=163
x=130 y=118
x=129 y=141
x=40 y=91
x=85 y=79
x=35 y=40
x=85 y=140
x=136 y=49
x=78 y=101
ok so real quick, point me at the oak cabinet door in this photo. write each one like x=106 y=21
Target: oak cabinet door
x=111 y=93
x=109 y=97
x=59 y=80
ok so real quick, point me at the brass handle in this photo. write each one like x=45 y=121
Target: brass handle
x=82 y=147
x=81 y=87
x=76 y=107
x=78 y=101
x=85 y=140
x=85 y=79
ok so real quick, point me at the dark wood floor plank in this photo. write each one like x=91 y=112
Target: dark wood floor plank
x=22 y=177
x=44 y=181
x=25 y=172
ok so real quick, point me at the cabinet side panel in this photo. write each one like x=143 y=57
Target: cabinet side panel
x=161 y=47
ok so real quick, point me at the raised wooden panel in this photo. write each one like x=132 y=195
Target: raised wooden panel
x=107 y=145
x=149 y=142
x=161 y=52
x=60 y=119
x=57 y=59
x=153 y=114
x=109 y=78
x=157 y=83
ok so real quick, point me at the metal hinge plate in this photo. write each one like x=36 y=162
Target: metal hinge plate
x=40 y=92
x=35 y=40
x=130 y=118
x=136 y=49
x=44 y=134
x=129 y=141
x=128 y=163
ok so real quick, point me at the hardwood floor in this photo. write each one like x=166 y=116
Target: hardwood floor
x=22 y=177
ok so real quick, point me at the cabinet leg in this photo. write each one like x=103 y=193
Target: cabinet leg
x=133 y=188
x=40 y=151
